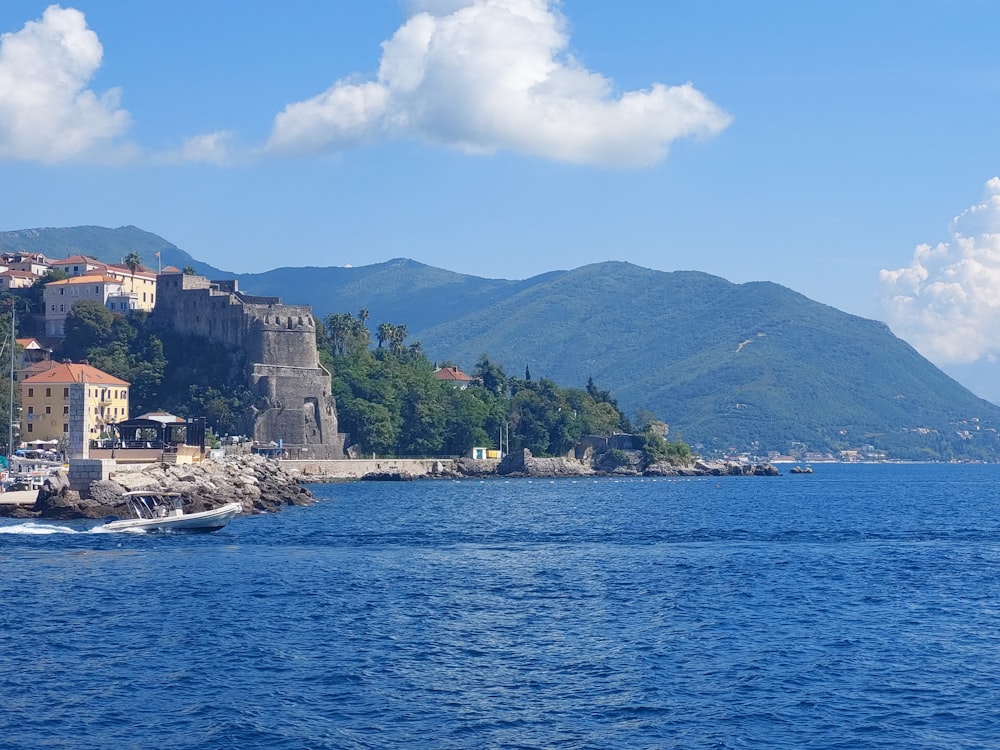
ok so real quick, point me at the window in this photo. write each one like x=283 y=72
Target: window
x=61 y=291
x=30 y=427
x=31 y=410
x=48 y=393
x=31 y=392
x=65 y=392
x=48 y=409
x=65 y=411
x=65 y=427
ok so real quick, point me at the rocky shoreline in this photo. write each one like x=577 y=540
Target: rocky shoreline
x=524 y=464
x=259 y=484
x=265 y=486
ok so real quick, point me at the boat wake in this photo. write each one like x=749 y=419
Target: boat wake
x=38 y=529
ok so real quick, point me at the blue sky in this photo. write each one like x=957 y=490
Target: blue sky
x=845 y=150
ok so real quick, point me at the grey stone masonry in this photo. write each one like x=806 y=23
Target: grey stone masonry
x=295 y=406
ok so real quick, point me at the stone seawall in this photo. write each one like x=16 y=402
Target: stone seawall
x=358 y=468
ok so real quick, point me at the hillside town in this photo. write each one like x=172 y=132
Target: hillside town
x=72 y=411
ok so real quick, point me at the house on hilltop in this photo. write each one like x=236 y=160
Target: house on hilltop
x=456 y=377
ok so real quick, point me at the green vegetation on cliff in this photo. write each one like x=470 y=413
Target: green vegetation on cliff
x=390 y=402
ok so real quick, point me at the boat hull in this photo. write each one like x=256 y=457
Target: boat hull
x=205 y=521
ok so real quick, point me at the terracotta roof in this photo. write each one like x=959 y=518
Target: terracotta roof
x=452 y=373
x=140 y=270
x=170 y=269
x=36 y=367
x=88 y=279
x=66 y=372
x=78 y=259
x=21 y=274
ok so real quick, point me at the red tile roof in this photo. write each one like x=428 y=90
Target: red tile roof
x=66 y=372
x=452 y=373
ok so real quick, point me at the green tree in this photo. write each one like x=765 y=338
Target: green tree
x=491 y=375
x=88 y=325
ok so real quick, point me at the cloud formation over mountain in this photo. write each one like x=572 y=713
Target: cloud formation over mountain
x=47 y=112
x=489 y=75
x=946 y=302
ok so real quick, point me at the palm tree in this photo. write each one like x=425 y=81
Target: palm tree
x=384 y=333
x=133 y=261
x=397 y=338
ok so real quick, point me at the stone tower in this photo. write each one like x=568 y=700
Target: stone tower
x=295 y=405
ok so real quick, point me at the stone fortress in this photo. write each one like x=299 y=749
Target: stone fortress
x=295 y=406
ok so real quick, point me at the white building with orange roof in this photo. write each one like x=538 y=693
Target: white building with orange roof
x=138 y=285
x=60 y=297
x=77 y=265
x=46 y=402
x=11 y=278
x=456 y=377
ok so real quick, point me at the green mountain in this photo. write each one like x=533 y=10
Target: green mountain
x=108 y=245
x=728 y=365
x=398 y=291
x=751 y=366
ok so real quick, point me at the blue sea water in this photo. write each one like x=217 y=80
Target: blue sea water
x=857 y=607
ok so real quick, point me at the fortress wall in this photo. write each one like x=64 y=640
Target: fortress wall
x=282 y=333
x=296 y=405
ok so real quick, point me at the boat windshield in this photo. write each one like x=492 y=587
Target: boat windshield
x=149 y=506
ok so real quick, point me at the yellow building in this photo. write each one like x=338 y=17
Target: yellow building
x=45 y=401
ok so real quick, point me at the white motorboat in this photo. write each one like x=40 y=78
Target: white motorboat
x=163 y=511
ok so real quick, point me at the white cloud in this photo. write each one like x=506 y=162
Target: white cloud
x=46 y=111
x=208 y=148
x=947 y=301
x=486 y=75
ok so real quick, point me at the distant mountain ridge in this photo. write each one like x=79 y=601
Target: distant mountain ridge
x=109 y=245
x=751 y=366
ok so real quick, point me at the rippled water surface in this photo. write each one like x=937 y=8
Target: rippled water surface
x=857 y=607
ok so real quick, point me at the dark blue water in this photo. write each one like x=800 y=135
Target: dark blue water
x=858 y=607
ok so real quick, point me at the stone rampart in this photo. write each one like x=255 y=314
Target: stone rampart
x=295 y=404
